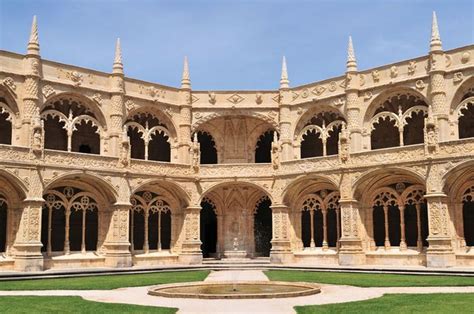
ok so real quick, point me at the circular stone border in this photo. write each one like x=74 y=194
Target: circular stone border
x=307 y=289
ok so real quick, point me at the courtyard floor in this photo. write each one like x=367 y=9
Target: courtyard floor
x=329 y=294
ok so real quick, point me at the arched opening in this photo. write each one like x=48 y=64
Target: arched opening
x=384 y=134
x=5 y=125
x=263 y=227
x=207 y=147
x=399 y=217
x=320 y=135
x=55 y=134
x=71 y=126
x=399 y=120
x=137 y=143
x=466 y=119
x=159 y=148
x=149 y=138
x=264 y=147
x=468 y=215
x=86 y=138
x=150 y=222
x=208 y=232
x=413 y=133
x=3 y=223
x=320 y=219
x=69 y=221
x=311 y=145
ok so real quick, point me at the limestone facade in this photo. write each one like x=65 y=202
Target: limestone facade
x=374 y=167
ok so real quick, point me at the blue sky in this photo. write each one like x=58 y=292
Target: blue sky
x=233 y=44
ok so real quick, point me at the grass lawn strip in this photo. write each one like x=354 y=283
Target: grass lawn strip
x=369 y=280
x=30 y=304
x=400 y=303
x=105 y=282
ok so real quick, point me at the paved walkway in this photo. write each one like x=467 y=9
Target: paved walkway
x=329 y=294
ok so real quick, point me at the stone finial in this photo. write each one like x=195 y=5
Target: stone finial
x=118 y=66
x=284 y=82
x=185 y=80
x=33 y=44
x=351 y=59
x=435 y=43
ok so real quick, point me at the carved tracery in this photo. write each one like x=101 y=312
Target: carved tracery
x=150 y=222
x=398 y=121
x=70 y=221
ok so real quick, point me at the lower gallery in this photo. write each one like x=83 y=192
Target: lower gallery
x=374 y=167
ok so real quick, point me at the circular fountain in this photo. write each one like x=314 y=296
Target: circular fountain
x=235 y=290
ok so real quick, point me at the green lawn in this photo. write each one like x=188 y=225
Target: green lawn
x=400 y=303
x=30 y=304
x=369 y=280
x=105 y=282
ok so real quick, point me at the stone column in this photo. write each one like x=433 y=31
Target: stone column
x=440 y=251
x=28 y=244
x=350 y=252
x=32 y=66
x=437 y=90
x=281 y=244
x=117 y=108
x=117 y=242
x=191 y=250
x=353 y=105
x=185 y=113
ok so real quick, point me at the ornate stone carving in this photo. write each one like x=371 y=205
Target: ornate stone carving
x=48 y=91
x=97 y=98
x=393 y=71
x=332 y=86
x=411 y=67
x=212 y=98
x=375 y=76
x=10 y=84
x=458 y=77
x=319 y=90
x=235 y=99
x=420 y=85
x=466 y=56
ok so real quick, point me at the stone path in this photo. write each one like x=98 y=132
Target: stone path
x=329 y=294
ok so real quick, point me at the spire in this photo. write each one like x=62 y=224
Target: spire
x=185 y=81
x=33 y=44
x=284 y=82
x=435 y=43
x=351 y=64
x=118 y=66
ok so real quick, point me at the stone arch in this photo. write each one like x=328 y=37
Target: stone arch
x=240 y=183
x=173 y=192
x=168 y=122
x=12 y=192
x=462 y=109
x=73 y=122
x=464 y=89
x=395 y=118
x=235 y=135
x=8 y=116
x=386 y=198
x=76 y=214
x=317 y=132
x=230 y=230
x=456 y=182
x=85 y=101
x=201 y=119
x=314 y=212
x=107 y=194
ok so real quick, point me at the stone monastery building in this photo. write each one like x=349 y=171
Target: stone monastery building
x=374 y=167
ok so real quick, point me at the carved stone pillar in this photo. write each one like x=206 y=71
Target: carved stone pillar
x=285 y=132
x=117 y=108
x=281 y=244
x=31 y=95
x=440 y=251
x=191 y=250
x=185 y=113
x=350 y=252
x=117 y=242
x=28 y=244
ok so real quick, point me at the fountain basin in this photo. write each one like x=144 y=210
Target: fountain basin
x=237 y=290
